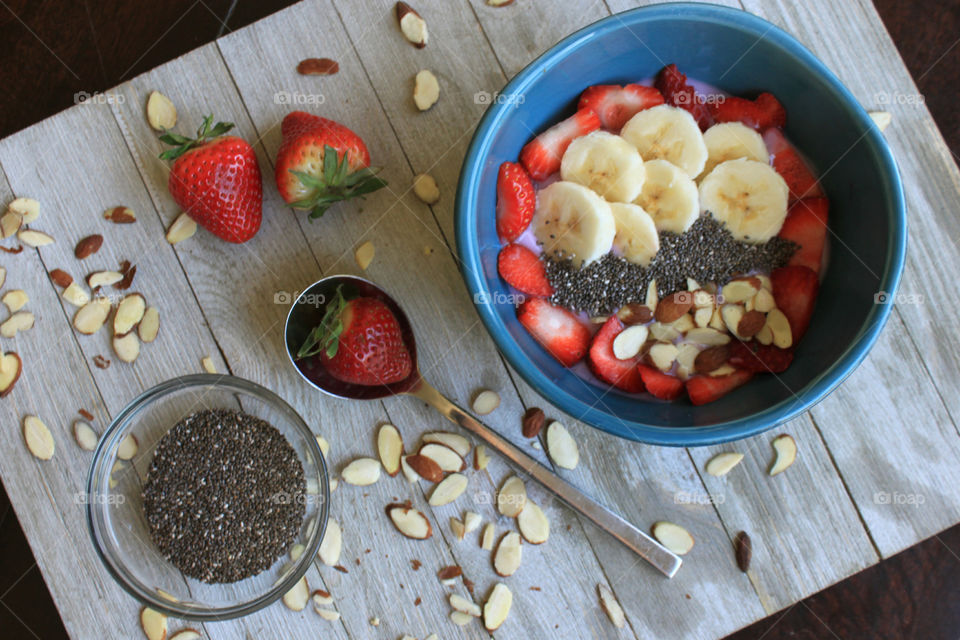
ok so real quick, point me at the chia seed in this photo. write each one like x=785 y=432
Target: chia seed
x=706 y=252
x=224 y=496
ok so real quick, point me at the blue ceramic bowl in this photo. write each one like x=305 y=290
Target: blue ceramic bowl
x=741 y=54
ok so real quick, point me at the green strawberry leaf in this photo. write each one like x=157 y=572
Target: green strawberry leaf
x=182 y=144
x=326 y=336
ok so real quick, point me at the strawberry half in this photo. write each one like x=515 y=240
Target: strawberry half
x=795 y=293
x=795 y=172
x=615 y=104
x=622 y=374
x=760 y=114
x=679 y=93
x=516 y=201
x=706 y=389
x=541 y=156
x=360 y=342
x=806 y=225
x=659 y=384
x=321 y=162
x=215 y=179
x=522 y=270
x=760 y=358
x=559 y=331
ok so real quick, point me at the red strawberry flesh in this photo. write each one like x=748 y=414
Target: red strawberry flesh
x=659 y=384
x=541 y=156
x=560 y=332
x=806 y=225
x=760 y=358
x=614 y=105
x=705 y=389
x=516 y=201
x=522 y=270
x=679 y=93
x=795 y=294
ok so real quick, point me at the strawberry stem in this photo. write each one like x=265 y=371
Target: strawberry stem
x=336 y=184
x=182 y=144
x=326 y=335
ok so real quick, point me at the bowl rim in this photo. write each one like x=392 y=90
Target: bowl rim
x=472 y=271
x=113 y=434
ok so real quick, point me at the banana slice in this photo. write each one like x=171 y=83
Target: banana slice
x=748 y=197
x=572 y=221
x=606 y=163
x=667 y=133
x=637 y=237
x=669 y=196
x=731 y=141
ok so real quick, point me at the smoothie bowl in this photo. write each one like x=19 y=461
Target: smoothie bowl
x=679 y=227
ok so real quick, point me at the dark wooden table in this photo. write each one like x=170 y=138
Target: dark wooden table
x=55 y=50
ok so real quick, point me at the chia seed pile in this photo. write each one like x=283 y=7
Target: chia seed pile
x=224 y=495
x=706 y=252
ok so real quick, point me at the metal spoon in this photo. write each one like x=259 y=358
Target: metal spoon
x=307 y=312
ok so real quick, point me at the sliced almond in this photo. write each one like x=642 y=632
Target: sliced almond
x=533 y=523
x=457 y=528
x=732 y=314
x=153 y=623
x=424 y=467
x=716 y=321
x=76 y=295
x=88 y=246
x=327 y=614
x=91 y=316
x=684 y=323
x=751 y=323
x=446 y=458
x=27 y=208
x=652 y=298
x=389 y=448
x=672 y=307
x=412 y=25
x=497 y=606
x=562 y=447
x=103 y=278
x=740 y=290
x=448 y=489
x=38 y=438
x=711 y=358
x=120 y=215
x=361 y=472
x=881 y=118
x=408 y=472
x=663 y=355
x=324 y=446
x=780 y=329
x=486 y=402
x=186 y=634
x=663 y=332
x=499 y=3
x=426 y=90
x=318 y=67
x=673 y=537
x=707 y=336
x=631 y=314
x=480 y=457
x=488 y=536
x=321 y=598
x=460 y=618
x=612 y=607
x=10 y=368
x=331 y=545
x=297 y=598
x=702 y=299
x=149 y=325
x=723 y=370
x=33 y=238
x=455 y=441
x=425 y=188
x=10 y=223
x=628 y=342
x=129 y=313
x=128 y=447
x=364 y=255
x=20 y=321
x=512 y=497
x=207 y=363
x=60 y=278
x=764 y=301
x=182 y=228
x=459 y=603
x=507 y=557
x=410 y=522
x=127 y=347
x=15 y=300
x=161 y=114
x=296 y=551
x=786 y=448
x=722 y=463
x=471 y=521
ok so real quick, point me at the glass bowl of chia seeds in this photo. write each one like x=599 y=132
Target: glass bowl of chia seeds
x=207 y=497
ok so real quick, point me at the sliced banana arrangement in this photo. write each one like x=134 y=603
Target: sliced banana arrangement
x=732 y=141
x=637 y=238
x=606 y=163
x=669 y=196
x=572 y=221
x=748 y=197
x=668 y=133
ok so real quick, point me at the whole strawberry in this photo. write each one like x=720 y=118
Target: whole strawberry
x=216 y=180
x=321 y=162
x=359 y=341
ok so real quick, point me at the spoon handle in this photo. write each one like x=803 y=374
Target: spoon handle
x=635 y=539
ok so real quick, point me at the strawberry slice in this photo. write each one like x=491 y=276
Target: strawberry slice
x=622 y=374
x=661 y=385
x=522 y=270
x=516 y=201
x=615 y=104
x=559 y=331
x=795 y=292
x=677 y=92
x=541 y=156
x=705 y=389
x=760 y=114
x=760 y=358
x=806 y=224
x=796 y=174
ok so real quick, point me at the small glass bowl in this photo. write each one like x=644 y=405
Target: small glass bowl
x=119 y=529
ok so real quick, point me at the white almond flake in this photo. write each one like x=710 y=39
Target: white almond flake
x=15 y=300
x=471 y=521
x=327 y=614
x=562 y=447
x=321 y=598
x=455 y=441
x=610 y=604
x=129 y=313
x=512 y=497
x=446 y=458
x=20 y=321
x=881 y=118
x=361 y=472
x=390 y=448
x=786 y=448
x=128 y=447
x=153 y=623
x=486 y=402
x=38 y=438
x=75 y=295
x=408 y=472
x=506 y=559
x=458 y=529
x=207 y=363
x=296 y=599
x=426 y=90
x=410 y=522
x=364 y=255
x=181 y=229
x=722 y=463
x=85 y=436
x=533 y=523
x=127 y=347
x=459 y=603
x=10 y=224
x=460 y=618
x=497 y=607
x=149 y=325
x=161 y=114
x=481 y=458
x=33 y=238
x=27 y=208
x=332 y=543
x=489 y=533
x=448 y=490
x=673 y=537
x=186 y=634
x=425 y=187
x=628 y=342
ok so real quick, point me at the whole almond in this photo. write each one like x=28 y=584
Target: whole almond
x=318 y=67
x=751 y=323
x=425 y=467
x=88 y=246
x=61 y=278
x=673 y=307
x=533 y=421
x=743 y=550
x=711 y=358
x=634 y=313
